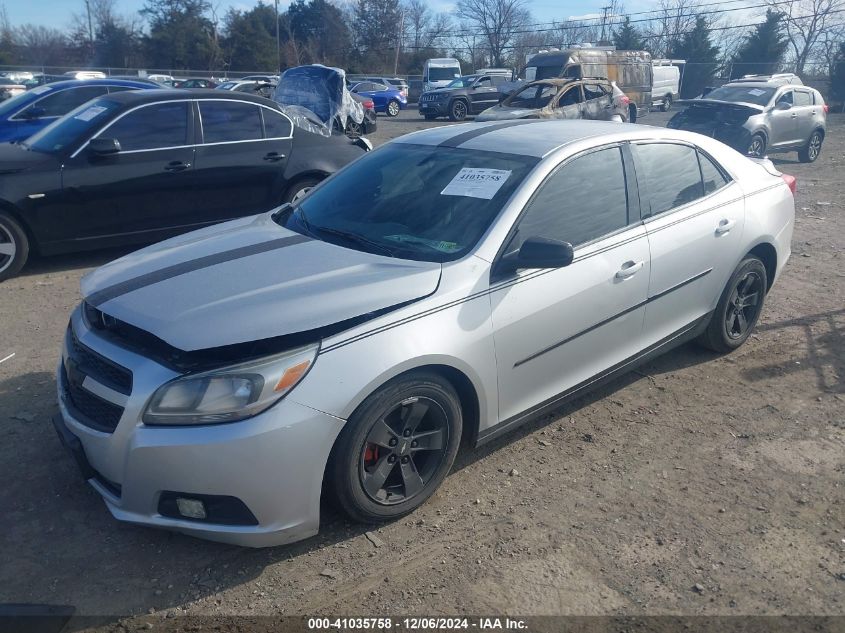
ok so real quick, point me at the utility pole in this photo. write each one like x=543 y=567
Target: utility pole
x=399 y=41
x=278 y=42
x=90 y=28
x=604 y=11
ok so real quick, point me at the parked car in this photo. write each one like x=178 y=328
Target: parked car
x=470 y=94
x=194 y=82
x=757 y=118
x=35 y=109
x=85 y=74
x=167 y=80
x=260 y=88
x=395 y=82
x=142 y=165
x=386 y=99
x=273 y=79
x=590 y=98
x=145 y=80
x=10 y=88
x=452 y=285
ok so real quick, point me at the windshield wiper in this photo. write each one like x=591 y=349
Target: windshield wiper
x=349 y=237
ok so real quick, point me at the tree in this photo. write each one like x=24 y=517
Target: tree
x=321 y=31
x=41 y=45
x=181 y=35
x=378 y=30
x=837 y=77
x=250 y=38
x=805 y=22
x=497 y=21
x=628 y=37
x=763 y=49
x=701 y=56
x=7 y=39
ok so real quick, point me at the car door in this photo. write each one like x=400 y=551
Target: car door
x=569 y=103
x=239 y=168
x=482 y=95
x=555 y=329
x=782 y=118
x=694 y=216
x=143 y=192
x=598 y=101
x=805 y=119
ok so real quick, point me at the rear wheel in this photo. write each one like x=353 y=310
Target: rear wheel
x=14 y=247
x=299 y=188
x=810 y=152
x=738 y=309
x=757 y=146
x=458 y=110
x=354 y=130
x=666 y=105
x=632 y=113
x=396 y=448
x=393 y=108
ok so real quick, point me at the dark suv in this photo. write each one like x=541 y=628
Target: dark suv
x=470 y=94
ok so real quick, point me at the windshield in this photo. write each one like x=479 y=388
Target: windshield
x=18 y=101
x=442 y=74
x=532 y=96
x=72 y=127
x=416 y=202
x=462 y=82
x=758 y=95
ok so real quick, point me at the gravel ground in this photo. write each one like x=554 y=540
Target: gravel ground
x=697 y=485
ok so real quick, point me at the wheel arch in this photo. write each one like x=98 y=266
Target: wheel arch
x=302 y=175
x=767 y=253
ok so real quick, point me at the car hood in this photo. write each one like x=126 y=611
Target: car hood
x=502 y=113
x=249 y=280
x=750 y=108
x=14 y=158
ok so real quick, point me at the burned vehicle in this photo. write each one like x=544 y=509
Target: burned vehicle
x=591 y=98
x=757 y=117
x=317 y=99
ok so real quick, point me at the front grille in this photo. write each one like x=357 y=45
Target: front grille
x=90 y=410
x=428 y=98
x=100 y=369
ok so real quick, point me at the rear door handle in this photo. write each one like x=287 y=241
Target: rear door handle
x=629 y=269
x=176 y=165
x=725 y=226
x=273 y=156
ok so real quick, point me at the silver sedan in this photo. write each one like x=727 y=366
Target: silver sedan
x=434 y=294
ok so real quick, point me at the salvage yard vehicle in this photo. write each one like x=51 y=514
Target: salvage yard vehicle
x=142 y=165
x=449 y=286
x=385 y=98
x=24 y=115
x=758 y=117
x=467 y=95
x=591 y=98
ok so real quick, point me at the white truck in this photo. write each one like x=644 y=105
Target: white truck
x=666 y=82
x=440 y=72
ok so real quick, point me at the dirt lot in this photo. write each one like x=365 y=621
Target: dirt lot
x=697 y=485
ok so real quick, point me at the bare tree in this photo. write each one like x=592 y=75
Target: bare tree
x=806 y=22
x=674 y=18
x=423 y=28
x=496 y=21
x=41 y=45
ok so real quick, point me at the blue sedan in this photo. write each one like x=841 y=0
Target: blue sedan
x=25 y=114
x=387 y=99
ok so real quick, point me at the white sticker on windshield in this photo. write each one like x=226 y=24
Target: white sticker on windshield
x=756 y=92
x=90 y=113
x=476 y=182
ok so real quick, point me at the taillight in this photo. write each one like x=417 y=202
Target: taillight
x=790 y=182
x=370 y=105
x=826 y=108
x=625 y=100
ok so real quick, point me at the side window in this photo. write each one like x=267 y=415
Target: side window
x=594 y=91
x=224 y=121
x=786 y=97
x=670 y=173
x=379 y=87
x=154 y=126
x=62 y=102
x=275 y=125
x=572 y=96
x=713 y=177
x=544 y=98
x=583 y=200
x=120 y=89
x=802 y=98
x=484 y=82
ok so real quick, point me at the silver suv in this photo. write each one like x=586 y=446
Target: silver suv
x=757 y=117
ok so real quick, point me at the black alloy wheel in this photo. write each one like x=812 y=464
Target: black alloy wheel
x=396 y=448
x=458 y=110
x=810 y=152
x=739 y=307
x=757 y=146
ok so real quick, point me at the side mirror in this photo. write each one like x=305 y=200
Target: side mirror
x=783 y=105
x=103 y=146
x=538 y=252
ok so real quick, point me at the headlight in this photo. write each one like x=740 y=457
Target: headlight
x=231 y=393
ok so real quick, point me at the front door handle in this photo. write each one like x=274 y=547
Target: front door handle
x=629 y=269
x=176 y=165
x=725 y=226
x=273 y=156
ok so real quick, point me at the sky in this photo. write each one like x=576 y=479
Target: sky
x=57 y=13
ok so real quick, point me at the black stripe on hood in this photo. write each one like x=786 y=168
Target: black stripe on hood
x=100 y=297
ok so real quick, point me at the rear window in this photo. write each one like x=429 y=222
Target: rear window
x=758 y=95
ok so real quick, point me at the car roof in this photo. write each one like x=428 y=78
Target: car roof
x=134 y=97
x=537 y=138
x=73 y=83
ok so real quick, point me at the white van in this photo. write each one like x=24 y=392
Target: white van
x=666 y=82
x=507 y=73
x=438 y=73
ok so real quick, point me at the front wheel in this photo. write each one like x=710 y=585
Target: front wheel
x=757 y=146
x=396 y=448
x=666 y=105
x=14 y=247
x=393 y=108
x=300 y=188
x=458 y=110
x=738 y=309
x=810 y=152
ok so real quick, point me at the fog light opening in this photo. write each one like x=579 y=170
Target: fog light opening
x=191 y=508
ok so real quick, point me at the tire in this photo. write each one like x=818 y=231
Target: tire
x=666 y=104
x=354 y=130
x=430 y=117
x=458 y=110
x=756 y=146
x=299 y=188
x=14 y=247
x=377 y=472
x=393 y=108
x=728 y=330
x=810 y=152
x=632 y=113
